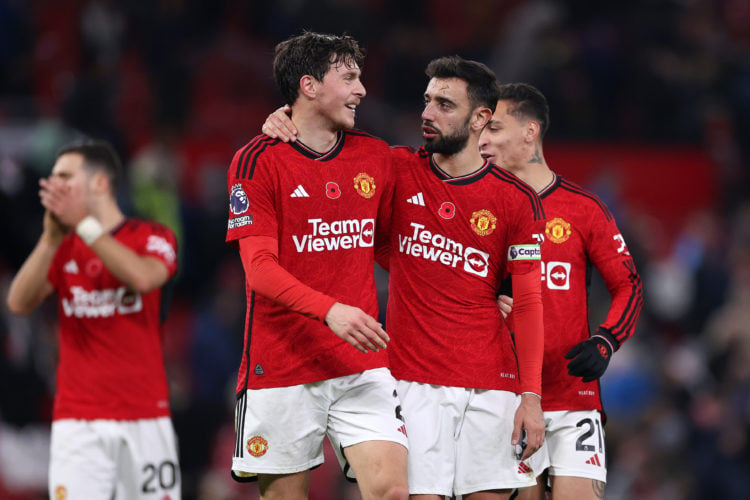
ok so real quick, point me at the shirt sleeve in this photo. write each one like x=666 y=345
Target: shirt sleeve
x=524 y=264
x=162 y=244
x=251 y=188
x=265 y=276
x=529 y=328
x=527 y=221
x=609 y=253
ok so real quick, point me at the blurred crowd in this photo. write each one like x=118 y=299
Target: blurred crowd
x=178 y=85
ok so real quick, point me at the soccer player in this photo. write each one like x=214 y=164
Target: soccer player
x=305 y=217
x=460 y=225
x=112 y=436
x=580 y=232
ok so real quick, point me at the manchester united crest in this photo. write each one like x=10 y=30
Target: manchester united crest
x=483 y=222
x=61 y=493
x=557 y=230
x=257 y=446
x=365 y=185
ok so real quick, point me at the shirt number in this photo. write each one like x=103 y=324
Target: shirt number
x=623 y=248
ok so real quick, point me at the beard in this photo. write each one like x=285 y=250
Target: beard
x=449 y=145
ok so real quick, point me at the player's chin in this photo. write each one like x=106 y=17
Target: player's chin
x=346 y=122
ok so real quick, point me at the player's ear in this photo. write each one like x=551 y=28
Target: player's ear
x=100 y=182
x=481 y=117
x=532 y=130
x=308 y=86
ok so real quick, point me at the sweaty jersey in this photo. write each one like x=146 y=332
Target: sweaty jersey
x=111 y=363
x=453 y=240
x=580 y=232
x=323 y=209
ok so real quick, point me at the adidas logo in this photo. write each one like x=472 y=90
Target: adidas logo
x=402 y=430
x=417 y=199
x=259 y=370
x=594 y=460
x=299 y=192
x=524 y=469
x=71 y=267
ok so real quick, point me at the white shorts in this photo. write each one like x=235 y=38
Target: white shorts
x=106 y=459
x=460 y=440
x=280 y=430
x=575 y=443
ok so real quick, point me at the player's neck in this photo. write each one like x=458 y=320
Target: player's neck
x=537 y=175
x=315 y=131
x=531 y=167
x=463 y=163
x=108 y=213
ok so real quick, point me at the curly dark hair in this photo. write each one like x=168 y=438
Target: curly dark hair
x=311 y=54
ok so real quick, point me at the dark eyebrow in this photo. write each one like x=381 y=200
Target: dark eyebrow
x=441 y=99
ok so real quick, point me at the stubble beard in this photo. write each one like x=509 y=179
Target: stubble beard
x=451 y=144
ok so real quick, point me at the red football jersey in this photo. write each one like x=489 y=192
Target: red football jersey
x=111 y=364
x=323 y=210
x=580 y=232
x=450 y=249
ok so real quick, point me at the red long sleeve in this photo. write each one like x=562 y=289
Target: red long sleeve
x=260 y=258
x=529 y=328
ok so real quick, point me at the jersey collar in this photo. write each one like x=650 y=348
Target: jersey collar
x=463 y=179
x=314 y=155
x=551 y=187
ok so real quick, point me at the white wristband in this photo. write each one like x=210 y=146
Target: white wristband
x=89 y=229
x=534 y=393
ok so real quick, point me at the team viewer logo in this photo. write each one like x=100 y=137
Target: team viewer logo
x=336 y=235
x=257 y=446
x=83 y=303
x=365 y=185
x=557 y=230
x=422 y=243
x=476 y=262
x=558 y=275
x=238 y=202
x=483 y=222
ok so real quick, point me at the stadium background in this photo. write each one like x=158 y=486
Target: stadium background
x=650 y=103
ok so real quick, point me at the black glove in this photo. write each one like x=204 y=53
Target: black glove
x=591 y=357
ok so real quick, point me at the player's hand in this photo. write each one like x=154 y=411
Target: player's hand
x=356 y=327
x=505 y=304
x=530 y=418
x=278 y=125
x=57 y=197
x=590 y=358
x=54 y=231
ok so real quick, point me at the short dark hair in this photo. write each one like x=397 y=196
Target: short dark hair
x=481 y=83
x=97 y=156
x=311 y=54
x=526 y=101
